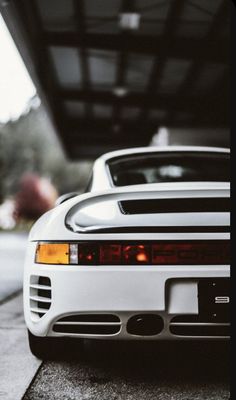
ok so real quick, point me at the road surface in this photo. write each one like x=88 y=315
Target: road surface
x=105 y=371
x=12 y=250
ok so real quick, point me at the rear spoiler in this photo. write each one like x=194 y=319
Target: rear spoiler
x=159 y=210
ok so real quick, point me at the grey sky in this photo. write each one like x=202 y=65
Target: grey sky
x=16 y=87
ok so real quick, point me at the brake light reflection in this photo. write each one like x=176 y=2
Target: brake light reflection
x=110 y=253
x=157 y=253
x=87 y=254
x=136 y=254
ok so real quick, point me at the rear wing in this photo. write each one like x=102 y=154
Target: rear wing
x=185 y=207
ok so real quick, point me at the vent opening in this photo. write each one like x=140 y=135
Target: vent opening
x=200 y=329
x=89 y=324
x=195 y=325
x=87 y=329
x=91 y=318
x=40 y=295
x=186 y=205
x=145 y=325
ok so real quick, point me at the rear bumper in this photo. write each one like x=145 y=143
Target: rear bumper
x=122 y=291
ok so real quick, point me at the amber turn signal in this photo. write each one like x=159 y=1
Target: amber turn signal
x=52 y=253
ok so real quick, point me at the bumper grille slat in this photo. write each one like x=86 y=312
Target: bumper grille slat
x=88 y=324
x=41 y=299
x=41 y=287
x=38 y=310
x=197 y=327
x=201 y=330
x=40 y=296
x=103 y=318
x=87 y=329
x=199 y=324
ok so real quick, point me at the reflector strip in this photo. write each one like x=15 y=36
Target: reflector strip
x=73 y=254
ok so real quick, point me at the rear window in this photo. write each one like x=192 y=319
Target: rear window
x=169 y=167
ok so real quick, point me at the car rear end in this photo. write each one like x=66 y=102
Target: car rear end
x=144 y=263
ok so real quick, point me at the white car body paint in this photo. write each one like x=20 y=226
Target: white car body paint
x=124 y=290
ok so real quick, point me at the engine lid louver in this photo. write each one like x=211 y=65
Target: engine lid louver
x=187 y=205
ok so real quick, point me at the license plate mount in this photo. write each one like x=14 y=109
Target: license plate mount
x=214 y=299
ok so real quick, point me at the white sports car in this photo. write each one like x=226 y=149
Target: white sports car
x=143 y=254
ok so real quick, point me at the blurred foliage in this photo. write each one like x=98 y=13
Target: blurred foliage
x=29 y=144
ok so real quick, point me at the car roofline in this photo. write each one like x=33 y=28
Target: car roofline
x=100 y=167
x=154 y=149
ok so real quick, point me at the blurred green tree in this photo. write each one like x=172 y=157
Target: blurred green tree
x=29 y=144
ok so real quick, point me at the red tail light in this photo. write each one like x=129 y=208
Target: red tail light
x=124 y=254
x=87 y=254
x=156 y=253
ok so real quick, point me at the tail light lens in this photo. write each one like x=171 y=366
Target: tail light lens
x=52 y=253
x=124 y=254
x=128 y=253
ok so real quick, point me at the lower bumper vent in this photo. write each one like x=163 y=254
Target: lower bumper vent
x=40 y=295
x=194 y=326
x=89 y=324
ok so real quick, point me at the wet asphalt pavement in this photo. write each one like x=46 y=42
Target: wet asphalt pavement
x=104 y=370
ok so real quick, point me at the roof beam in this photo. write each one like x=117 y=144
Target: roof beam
x=126 y=6
x=167 y=39
x=181 y=48
x=218 y=21
x=197 y=66
x=132 y=98
x=104 y=125
x=219 y=106
x=43 y=65
x=161 y=57
x=80 y=32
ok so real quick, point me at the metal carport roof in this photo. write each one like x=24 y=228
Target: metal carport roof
x=111 y=71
